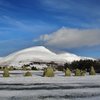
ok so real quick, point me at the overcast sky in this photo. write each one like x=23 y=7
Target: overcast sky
x=60 y=25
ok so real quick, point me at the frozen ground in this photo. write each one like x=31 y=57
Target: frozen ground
x=59 y=87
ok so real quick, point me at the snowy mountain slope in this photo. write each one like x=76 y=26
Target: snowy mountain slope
x=38 y=54
x=69 y=57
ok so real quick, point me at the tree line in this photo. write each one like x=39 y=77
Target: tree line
x=82 y=65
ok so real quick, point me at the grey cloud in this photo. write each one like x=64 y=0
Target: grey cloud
x=71 y=38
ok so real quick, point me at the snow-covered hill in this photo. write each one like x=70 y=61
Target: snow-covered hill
x=38 y=54
x=26 y=56
x=69 y=57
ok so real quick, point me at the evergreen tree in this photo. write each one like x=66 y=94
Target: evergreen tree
x=6 y=72
x=77 y=72
x=83 y=72
x=92 y=71
x=11 y=68
x=67 y=72
x=48 y=72
x=28 y=74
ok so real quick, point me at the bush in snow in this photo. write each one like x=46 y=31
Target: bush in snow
x=92 y=71
x=48 y=72
x=28 y=74
x=11 y=68
x=67 y=72
x=6 y=72
x=83 y=72
x=26 y=68
x=77 y=72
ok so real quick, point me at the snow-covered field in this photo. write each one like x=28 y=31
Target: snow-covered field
x=59 y=87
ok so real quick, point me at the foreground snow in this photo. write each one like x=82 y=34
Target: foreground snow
x=59 y=87
x=17 y=77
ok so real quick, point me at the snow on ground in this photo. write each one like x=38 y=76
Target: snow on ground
x=17 y=77
x=18 y=87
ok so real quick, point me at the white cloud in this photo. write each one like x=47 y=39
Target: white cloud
x=71 y=38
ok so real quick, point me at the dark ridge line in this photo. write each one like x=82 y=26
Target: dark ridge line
x=47 y=88
x=44 y=84
x=68 y=96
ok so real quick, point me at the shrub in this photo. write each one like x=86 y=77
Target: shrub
x=67 y=72
x=26 y=68
x=11 y=68
x=77 y=72
x=83 y=72
x=34 y=68
x=6 y=72
x=92 y=71
x=28 y=74
x=23 y=68
x=48 y=72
